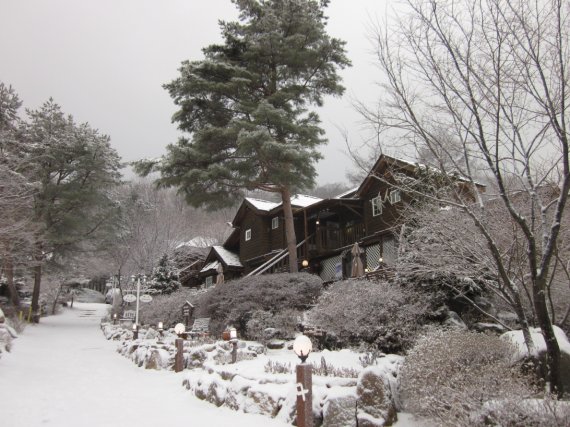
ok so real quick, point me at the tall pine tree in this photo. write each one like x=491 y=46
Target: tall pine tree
x=74 y=167
x=246 y=106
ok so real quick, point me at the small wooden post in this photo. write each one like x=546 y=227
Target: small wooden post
x=179 y=358
x=304 y=395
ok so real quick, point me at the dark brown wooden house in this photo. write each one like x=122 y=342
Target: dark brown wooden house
x=326 y=229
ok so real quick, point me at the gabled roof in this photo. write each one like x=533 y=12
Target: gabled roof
x=219 y=254
x=347 y=193
x=261 y=205
x=210 y=266
x=303 y=201
x=227 y=257
x=266 y=207
x=385 y=161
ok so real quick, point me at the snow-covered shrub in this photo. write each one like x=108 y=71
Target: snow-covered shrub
x=281 y=325
x=235 y=302
x=321 y=368
x=380 y=315
x=166 y=308
x=449 y=375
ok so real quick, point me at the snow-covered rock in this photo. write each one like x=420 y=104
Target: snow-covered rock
x=340 y=407
x=521 y=351
x=265 y=399
x=455 y=321
x=377 y=392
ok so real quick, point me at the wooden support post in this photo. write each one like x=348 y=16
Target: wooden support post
x=179 y=358
x=304 y=395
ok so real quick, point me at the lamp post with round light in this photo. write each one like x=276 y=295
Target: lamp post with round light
x=234 y=341
x=302 y=346
x=135 y=331
x=180 y=330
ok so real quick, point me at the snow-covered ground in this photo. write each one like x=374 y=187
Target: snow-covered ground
x=63 y=372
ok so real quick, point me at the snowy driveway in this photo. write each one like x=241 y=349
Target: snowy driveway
x=63 y=373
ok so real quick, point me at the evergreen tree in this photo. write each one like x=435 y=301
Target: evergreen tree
x=16 y=192
x=74 y=167
x=246 y=108
x=164 y=278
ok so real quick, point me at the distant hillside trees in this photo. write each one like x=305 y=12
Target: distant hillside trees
x=245 y=107
x=151 y=222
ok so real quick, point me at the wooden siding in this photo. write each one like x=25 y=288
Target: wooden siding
x=277 y=236
x=259 y=242
x=390 y=213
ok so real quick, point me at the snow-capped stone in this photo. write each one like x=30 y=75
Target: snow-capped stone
x=339 y=407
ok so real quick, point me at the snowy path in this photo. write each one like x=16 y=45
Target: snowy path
x=63 y=373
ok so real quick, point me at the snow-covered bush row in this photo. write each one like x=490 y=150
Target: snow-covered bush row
x=153 y=351
x=369 y=400
x=465 y=378
x=382 y=315
x=252 y=304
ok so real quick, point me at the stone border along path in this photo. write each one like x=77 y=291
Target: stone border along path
x=64 y=373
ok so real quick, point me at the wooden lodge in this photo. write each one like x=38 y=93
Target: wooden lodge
x=326 y=229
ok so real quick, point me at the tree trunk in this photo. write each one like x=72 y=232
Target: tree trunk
x=9 y=270
x=37 y=284
x=552 y=363
x=290 y=230
x=36 y=293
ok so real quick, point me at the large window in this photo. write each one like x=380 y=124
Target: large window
x=275 y=223
x=395 y=196
x=248 y=234
x=376 y=206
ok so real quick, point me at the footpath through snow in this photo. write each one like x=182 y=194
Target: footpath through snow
x=64 y=373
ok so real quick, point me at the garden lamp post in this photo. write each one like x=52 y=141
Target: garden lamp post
x=179 y=329
x=234 y=341
x=135 y=331
x=302 y=346
x=115 y=319
x=160 y=328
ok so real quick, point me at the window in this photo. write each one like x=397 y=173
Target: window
x=248 y=234
x=395 y=196
x=376 y=206
x=208 y=282
x=275 y=223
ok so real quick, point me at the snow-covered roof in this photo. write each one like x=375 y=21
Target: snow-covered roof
x=300 y=200
x=303 y=200
x=262 y=205
x=346 y=193
x=199 y=242
x=210 y=266
x=229 y=258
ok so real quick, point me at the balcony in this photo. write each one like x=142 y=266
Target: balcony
x=328 y=238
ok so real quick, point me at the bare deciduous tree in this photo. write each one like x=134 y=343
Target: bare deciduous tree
x=493 y=75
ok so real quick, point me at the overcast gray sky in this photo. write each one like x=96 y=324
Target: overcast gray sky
x=105 y=61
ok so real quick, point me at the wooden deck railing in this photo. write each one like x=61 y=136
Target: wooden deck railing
x=328 y=238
